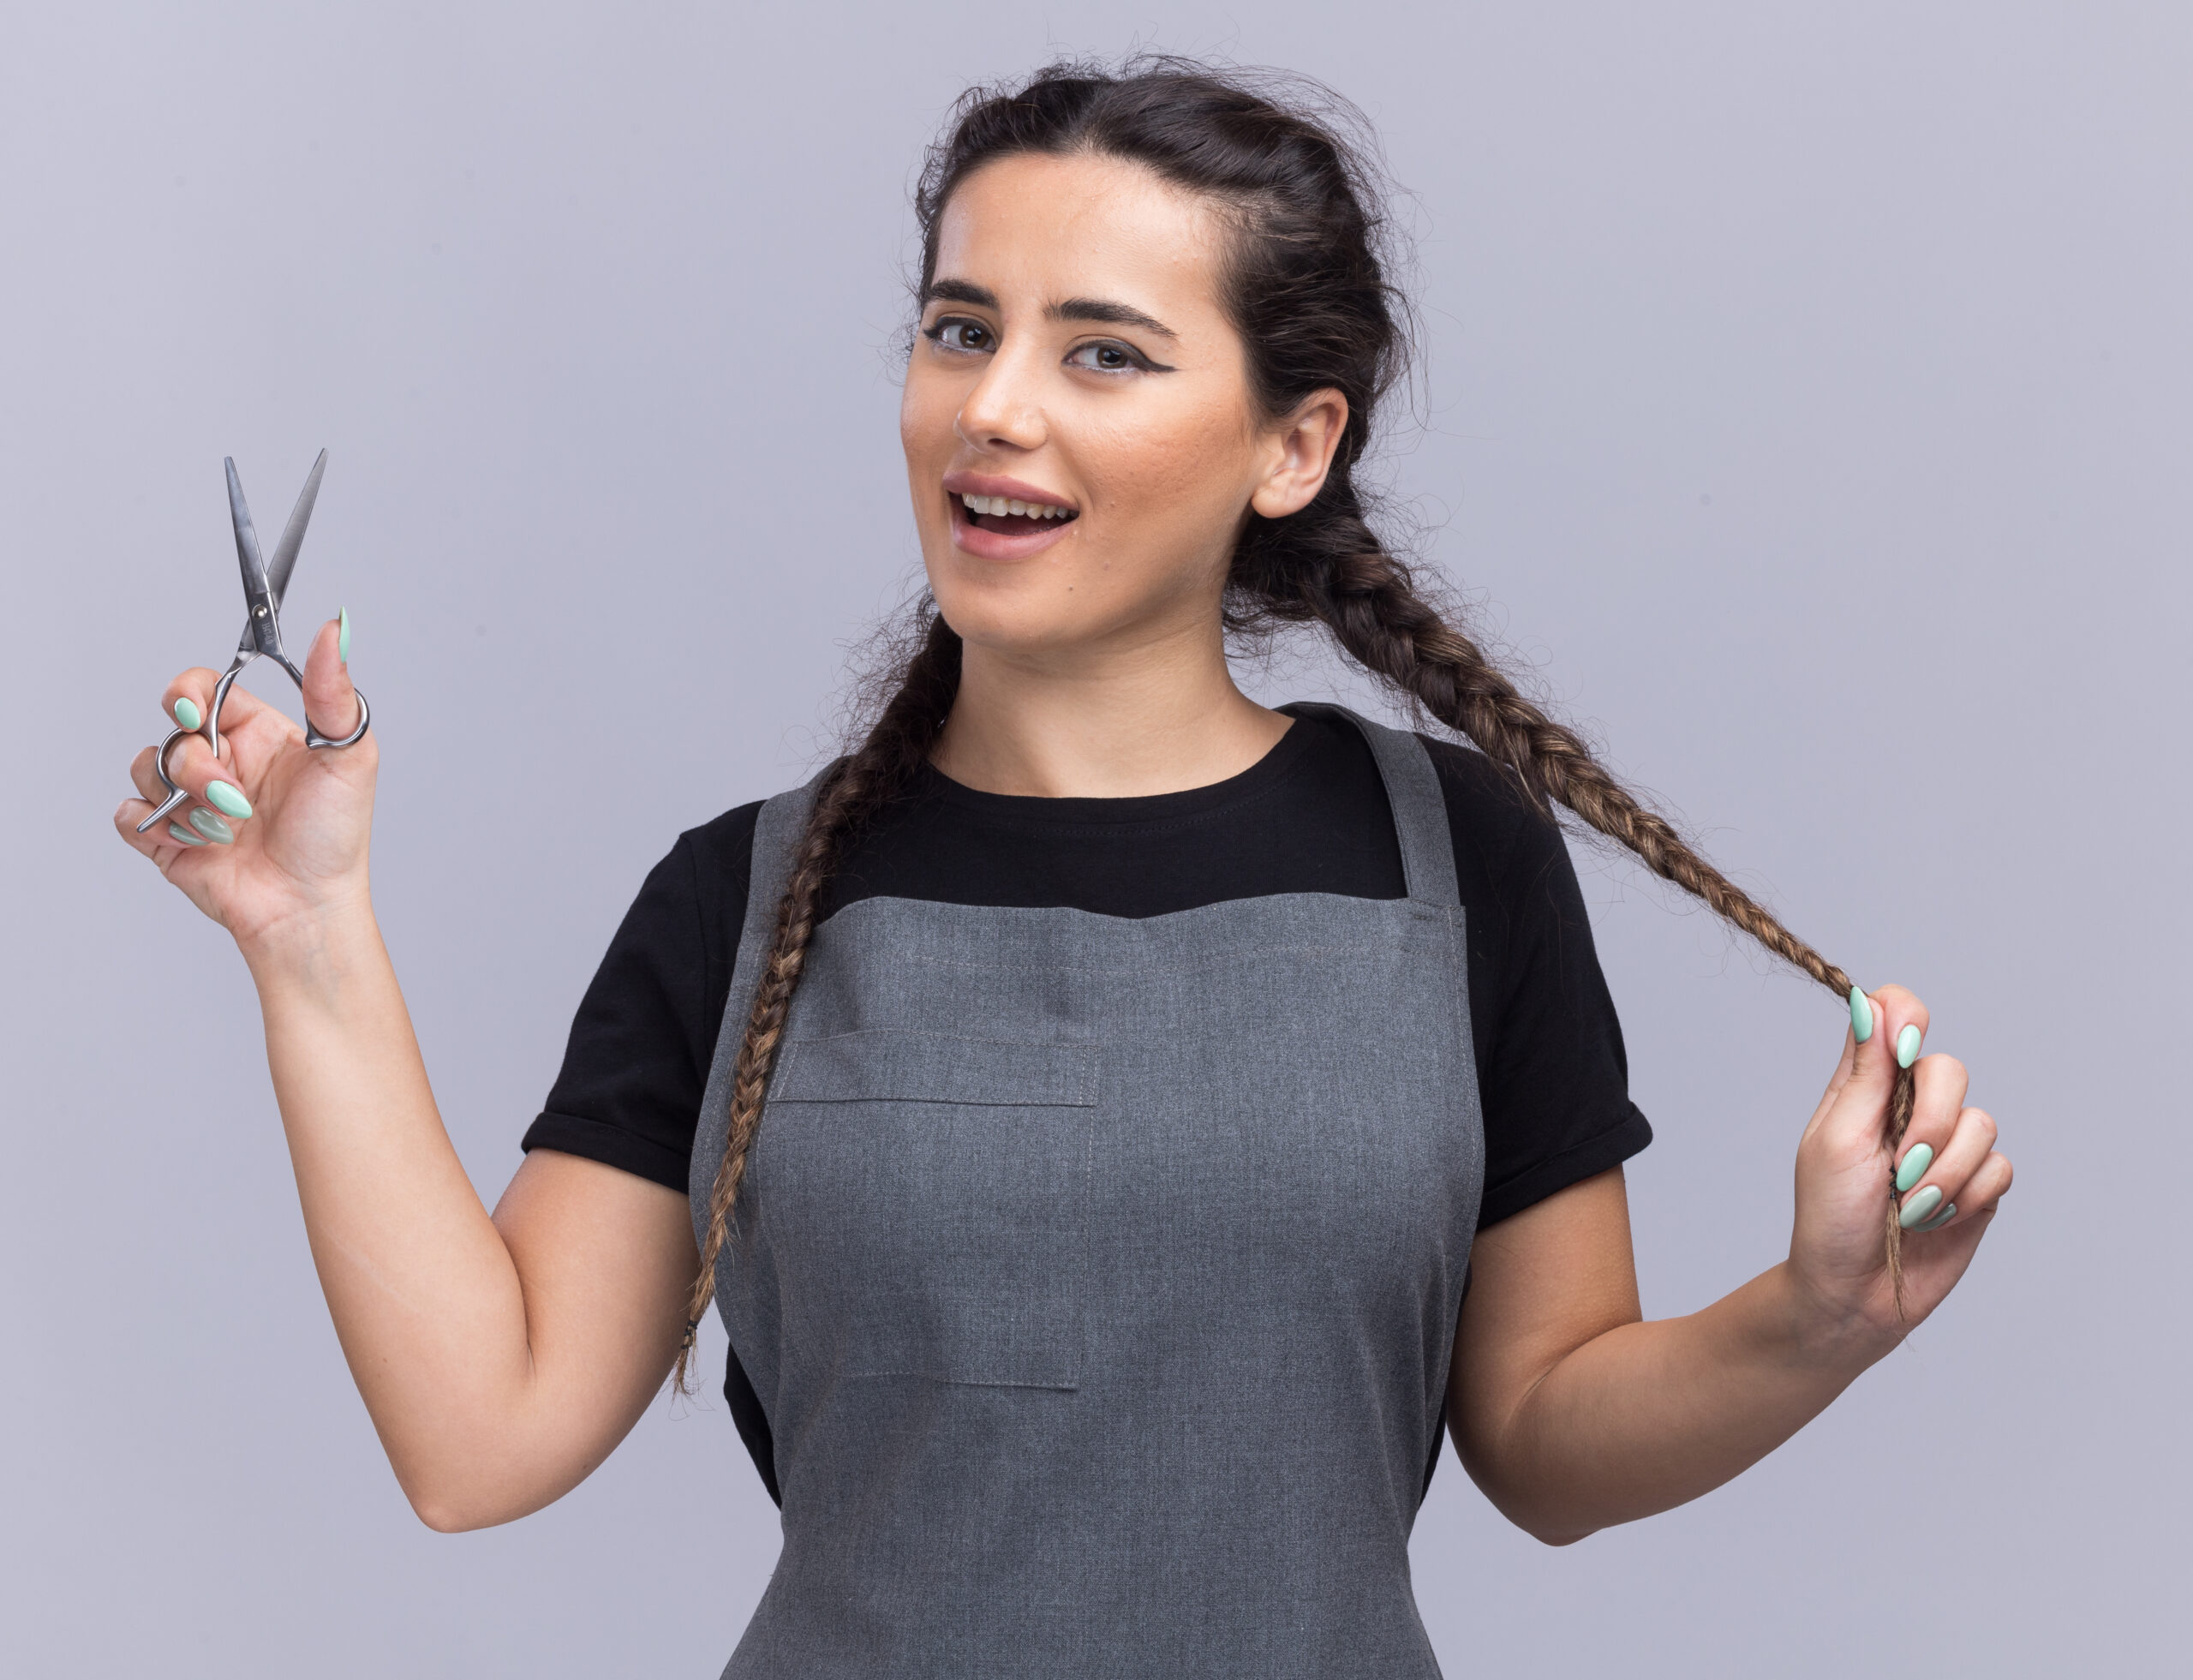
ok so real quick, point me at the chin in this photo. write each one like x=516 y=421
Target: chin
x=1015 y=620
x=1073 y=596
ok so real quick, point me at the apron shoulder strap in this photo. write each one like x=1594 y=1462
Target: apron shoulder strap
x=1420 y=808
x=776 y=838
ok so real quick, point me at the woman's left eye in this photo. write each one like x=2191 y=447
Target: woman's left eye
x=1104 y=358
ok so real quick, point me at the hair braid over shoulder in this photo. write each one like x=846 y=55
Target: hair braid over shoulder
x=1333 y=570
x=853 y=791
x=1368 y=600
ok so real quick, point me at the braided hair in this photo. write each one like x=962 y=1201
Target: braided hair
x=1306 y=285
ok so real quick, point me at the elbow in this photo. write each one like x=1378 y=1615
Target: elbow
x=448 y=1519
x=1538 y=1515
x=1529 y=1504
x=1545 y=1534
x=1547 y=1528
x=445 y=1515
x=457 y=1500
x=449 y=1508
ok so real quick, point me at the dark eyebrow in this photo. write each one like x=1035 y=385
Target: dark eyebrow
x=1113 y=315
x=959 y=292
x=1073 y=308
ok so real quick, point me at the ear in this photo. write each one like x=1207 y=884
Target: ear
x=1299 y=449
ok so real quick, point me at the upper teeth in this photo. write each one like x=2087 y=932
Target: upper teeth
x=1006 y=504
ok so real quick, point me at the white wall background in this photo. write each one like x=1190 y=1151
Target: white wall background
x=1807 y=402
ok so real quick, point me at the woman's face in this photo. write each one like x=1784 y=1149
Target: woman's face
x=1074 y=358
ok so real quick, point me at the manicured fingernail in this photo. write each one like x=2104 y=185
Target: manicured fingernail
x=1916 y=1160
x=212 y=826
x=1907 y=1046
x=1915 y=1210
x=1938 y=1220
x=185 y=836
x=342 y=636
x=230 y=800
x=187 y=713
x=1861 y=1015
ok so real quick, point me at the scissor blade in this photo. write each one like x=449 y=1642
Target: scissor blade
x=258 y=625
x=293 y=534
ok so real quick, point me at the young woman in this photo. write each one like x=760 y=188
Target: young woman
x=1123 y=1125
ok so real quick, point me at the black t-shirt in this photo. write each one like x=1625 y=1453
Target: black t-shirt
x=1310 y=816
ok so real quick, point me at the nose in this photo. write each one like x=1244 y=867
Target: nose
x=1004 y=411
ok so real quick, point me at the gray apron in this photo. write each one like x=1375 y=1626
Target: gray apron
x=1099 y=1276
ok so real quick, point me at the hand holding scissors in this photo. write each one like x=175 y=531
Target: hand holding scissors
x=265 y=583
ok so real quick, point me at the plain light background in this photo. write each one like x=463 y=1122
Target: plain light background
x=1806 y=405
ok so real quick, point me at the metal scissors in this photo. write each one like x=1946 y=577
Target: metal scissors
x=265 y=583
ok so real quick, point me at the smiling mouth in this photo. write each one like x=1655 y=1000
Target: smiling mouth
x=1006 y=518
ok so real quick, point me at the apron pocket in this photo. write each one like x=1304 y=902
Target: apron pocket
x=929 y=1194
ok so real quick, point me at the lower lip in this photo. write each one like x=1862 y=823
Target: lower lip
x=984 y=545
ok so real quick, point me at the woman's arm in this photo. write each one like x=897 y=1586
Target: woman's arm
x=1573 y=1415
x=501 y=1359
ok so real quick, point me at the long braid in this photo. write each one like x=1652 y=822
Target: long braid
x=1367 y=599
x=855 y=790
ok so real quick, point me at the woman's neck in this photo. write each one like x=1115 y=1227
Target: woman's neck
x=1156 y=718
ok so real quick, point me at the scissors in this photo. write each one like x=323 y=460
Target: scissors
x=264 y=585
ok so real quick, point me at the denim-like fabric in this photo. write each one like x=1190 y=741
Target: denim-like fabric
x=1099 y=1276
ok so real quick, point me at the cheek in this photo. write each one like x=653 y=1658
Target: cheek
x=927 y=407
x=913 y=427
x=1179 y=485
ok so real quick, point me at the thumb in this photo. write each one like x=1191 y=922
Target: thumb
x=1879 y=1022
x=331 y=700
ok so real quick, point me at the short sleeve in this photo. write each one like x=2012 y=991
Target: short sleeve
x=637 y=1063
x=1553 y=1079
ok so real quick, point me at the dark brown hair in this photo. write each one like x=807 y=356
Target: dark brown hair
x=1308 y=287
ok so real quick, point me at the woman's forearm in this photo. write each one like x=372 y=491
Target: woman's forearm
x=1645 y=1416
x=426 y=1297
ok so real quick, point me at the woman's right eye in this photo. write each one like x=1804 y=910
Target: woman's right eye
x=957 y=333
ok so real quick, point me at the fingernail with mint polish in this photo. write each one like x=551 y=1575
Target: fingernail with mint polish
x=1916 y=1160
x=187 y=713
x=1920 y=1208
x=342 y=636
x=180 y=832
x=1861 y=1015
x=209 y=824
x=1907 y=1046
x=229 y=801
x=1938 y=1220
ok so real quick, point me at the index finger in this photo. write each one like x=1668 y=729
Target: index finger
x=194 y=689
x=196 y=686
